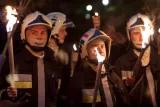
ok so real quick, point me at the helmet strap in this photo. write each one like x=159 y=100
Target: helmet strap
x=35 y=48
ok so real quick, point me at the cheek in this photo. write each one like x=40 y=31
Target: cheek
x=132 y=37
x=92 y=53
x=45 y=37
x=29 y=37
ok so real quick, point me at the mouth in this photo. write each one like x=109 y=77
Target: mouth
x=39 y=44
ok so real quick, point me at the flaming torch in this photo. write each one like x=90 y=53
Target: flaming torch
x=11 y=21
x=96 y=20
x=100 y=59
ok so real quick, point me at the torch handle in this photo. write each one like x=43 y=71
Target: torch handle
x=11 y=54
x=97 y=82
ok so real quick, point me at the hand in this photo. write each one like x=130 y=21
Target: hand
x=12 y=91
x=52 y=44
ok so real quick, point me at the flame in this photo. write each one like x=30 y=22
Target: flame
x=100 y=58
x=75 y=47
x=96 y=14
x=146 y=34
x=11 y=17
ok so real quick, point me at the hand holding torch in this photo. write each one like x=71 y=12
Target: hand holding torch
x=96 y=20
x=100 y=59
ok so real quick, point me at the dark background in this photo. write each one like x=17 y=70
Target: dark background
x=116 y=13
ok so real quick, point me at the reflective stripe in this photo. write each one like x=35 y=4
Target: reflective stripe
x=87 y=96
x=23 y=84
x=20 y=80
x=41 y=82
x=19 y=77
x=107 y=91
x=151 y=86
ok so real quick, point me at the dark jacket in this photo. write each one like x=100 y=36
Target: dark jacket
x=137 y=85
x=26 y=63
x=83 y=82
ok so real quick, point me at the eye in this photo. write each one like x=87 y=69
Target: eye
x=33 y=32
x=43 y=32
x=102 y=46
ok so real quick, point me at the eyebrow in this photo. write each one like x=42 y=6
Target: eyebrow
x=36 y=30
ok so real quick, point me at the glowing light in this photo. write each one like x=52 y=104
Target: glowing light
x=75 y=47
x=87 y=16
x=89 y=7
x=105 y=2
x=100 y=58
x=11 y=17
x=146 y=34
x=158 y=30
x=96 y=14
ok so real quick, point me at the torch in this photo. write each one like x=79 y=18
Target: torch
x=100 y=59
x=11 y=28
x=96 y=20
x=11 y=21
x=74 y=57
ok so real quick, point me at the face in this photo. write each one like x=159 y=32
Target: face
x=62 y=34
x=91 y=49
x=37 y=35
x=136 y=37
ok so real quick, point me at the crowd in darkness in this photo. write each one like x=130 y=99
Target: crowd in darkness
x=110 y=60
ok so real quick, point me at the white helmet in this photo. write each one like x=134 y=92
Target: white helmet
x=91 y=35
x=59 y=19
x=32 y=19
x=140 y=20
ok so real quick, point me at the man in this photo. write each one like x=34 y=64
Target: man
x=95 y=42
x=34 y=83
x=138 y=66
x=58 y=34
x=60 y=25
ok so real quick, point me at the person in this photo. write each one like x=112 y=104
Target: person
x=83 y=86
x=35 y=81
x=137 y=68
x=58 y=34
x=61 y=23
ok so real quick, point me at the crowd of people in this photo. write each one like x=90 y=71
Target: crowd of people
x=48 y=76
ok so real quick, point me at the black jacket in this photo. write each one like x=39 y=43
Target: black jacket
x=84 y=80
x=137 y=89
x=26 y=63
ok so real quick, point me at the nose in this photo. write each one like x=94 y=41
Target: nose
x=100 y=50
x=40 y=36
x=140 y=38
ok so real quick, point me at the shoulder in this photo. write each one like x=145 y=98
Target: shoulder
x=127 y=58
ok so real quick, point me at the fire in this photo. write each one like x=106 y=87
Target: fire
x=96 y=14
x=75 y=47
x=11 y=17
x=100 y=58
